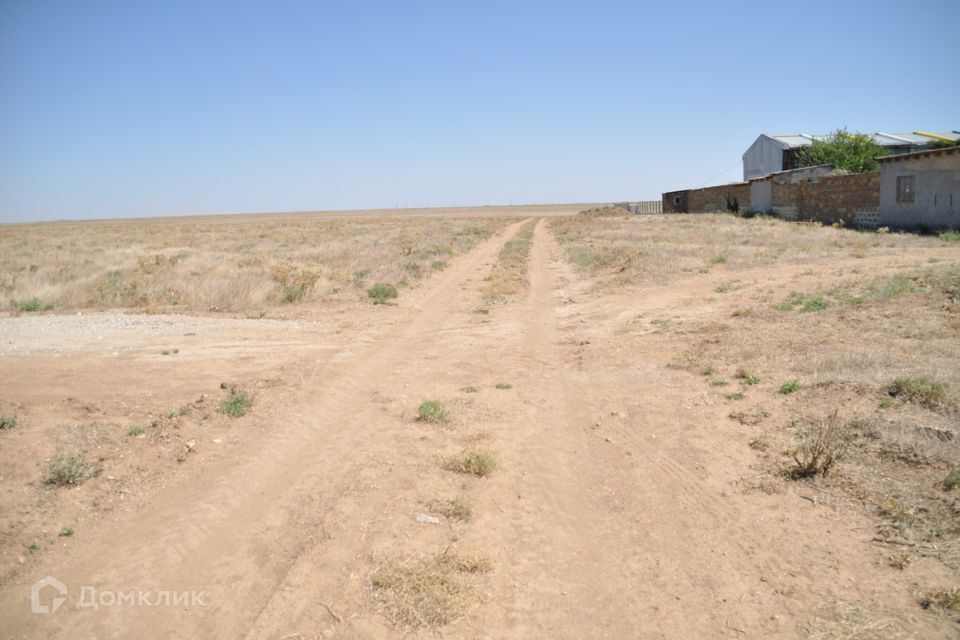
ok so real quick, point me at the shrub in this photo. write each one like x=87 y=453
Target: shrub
x=65 y=532
x=813 y=305
x=294 y=283
x=30 y=305
x=789 y=387
x=473 y=463
x=820 y=448
x=136 y=430
x=720 y=259
x=503 y=385
x=236 y=404
x=8 y=422
x=381 y=292
x=922 y=391
x=431 y=411
x=70 y=470
x=943 y=599
x=952 y=481
x=950 y=235
x=747 y=377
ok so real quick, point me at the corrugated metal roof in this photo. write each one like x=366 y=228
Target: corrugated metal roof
x=886 y=139
x=943 y=151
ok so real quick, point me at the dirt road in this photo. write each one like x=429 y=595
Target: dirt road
x=614 y=511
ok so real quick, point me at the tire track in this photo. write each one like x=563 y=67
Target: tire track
x=237 y=532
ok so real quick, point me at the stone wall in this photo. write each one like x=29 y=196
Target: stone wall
x=829 y=198
x=718 y=198
x=852 y=198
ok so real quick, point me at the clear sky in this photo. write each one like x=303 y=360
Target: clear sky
x=172 y=107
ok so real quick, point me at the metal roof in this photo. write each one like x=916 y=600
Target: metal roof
x=942 y=151
x=792 y=141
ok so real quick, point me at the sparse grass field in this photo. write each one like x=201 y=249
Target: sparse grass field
x=221 y=264
x=570 y=426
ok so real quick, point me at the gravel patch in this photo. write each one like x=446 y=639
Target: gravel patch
x=24 y=335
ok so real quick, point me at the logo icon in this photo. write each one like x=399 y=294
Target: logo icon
x=39 y=586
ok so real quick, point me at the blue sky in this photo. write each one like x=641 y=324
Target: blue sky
x=164 y=108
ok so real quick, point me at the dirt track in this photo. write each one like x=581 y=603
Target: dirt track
x=614 y=511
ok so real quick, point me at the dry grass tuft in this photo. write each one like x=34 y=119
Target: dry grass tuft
x=451 y=508
x=428 y=591
x=480 y=464
x=820 y=446
x=945 y=600
x=854 y=621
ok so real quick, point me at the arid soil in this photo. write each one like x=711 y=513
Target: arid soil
x=587 y=470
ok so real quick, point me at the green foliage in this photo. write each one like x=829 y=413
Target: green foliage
x=805 y=304
x=236 y=404
x=431 y=411
x=30 y=305
x=950 y=235
x=136 y=430
x=747 y=377
x=293 y=292
x=952 y=481
x=8 y=422
x=922 y=391
x=472 y=463
x=789 y=387
x=503 y=385
x=813 y=305
x=66 y=532
x=381 y=292
x=853 y=152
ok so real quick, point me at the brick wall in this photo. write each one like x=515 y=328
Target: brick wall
x=716 y=198
x=829 y=198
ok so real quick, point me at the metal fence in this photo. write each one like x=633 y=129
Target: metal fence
x=647 y=206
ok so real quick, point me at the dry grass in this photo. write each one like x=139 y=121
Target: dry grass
x=645 y=250
x=428 y=591
x=229 y=264
x=450 y=508
x=881 y=341
x=509 y=276
x=476 y=463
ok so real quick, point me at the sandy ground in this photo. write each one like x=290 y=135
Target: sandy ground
x=615 y=511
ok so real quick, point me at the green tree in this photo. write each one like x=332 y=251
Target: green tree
x=853 y=152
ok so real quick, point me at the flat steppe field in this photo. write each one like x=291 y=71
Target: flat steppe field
x=496 y=422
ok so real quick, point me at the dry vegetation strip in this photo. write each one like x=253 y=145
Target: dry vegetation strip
x=509 y=276
x=624 y=250
x=237 y=265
